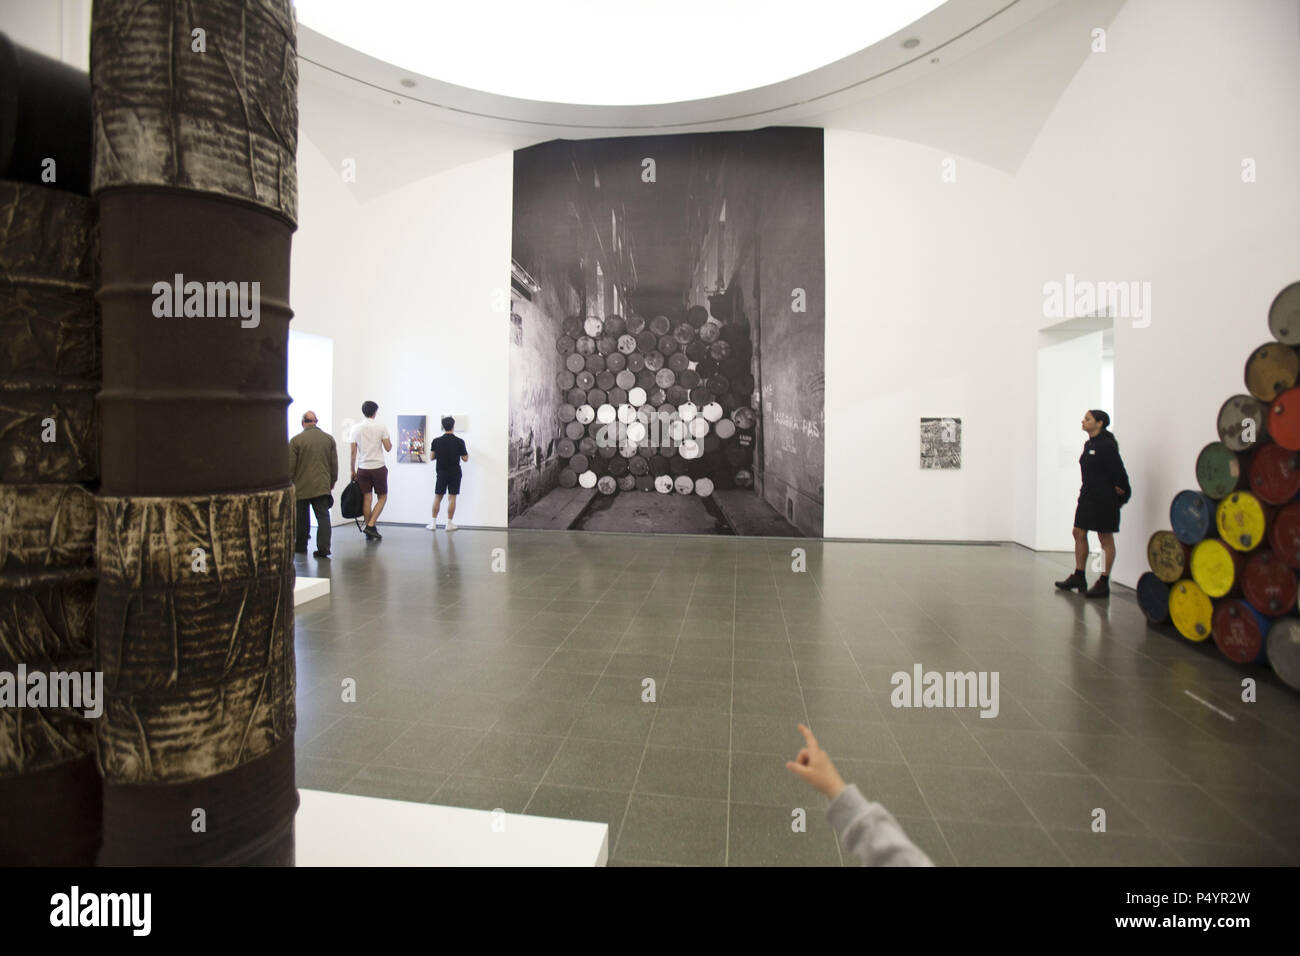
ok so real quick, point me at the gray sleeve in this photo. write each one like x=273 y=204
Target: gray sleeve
x=869 y=832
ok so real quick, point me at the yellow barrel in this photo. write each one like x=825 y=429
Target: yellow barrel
x=1167 y=556
x=1215 y=567
x=1243 y=520
x=1191 y=610
x=1271 y=370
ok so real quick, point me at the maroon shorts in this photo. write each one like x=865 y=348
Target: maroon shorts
x=373 y=479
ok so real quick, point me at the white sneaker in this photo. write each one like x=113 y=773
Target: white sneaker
x=430 y=527
x=450 y=526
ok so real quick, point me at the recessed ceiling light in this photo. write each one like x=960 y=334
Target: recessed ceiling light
x=491 y=45
x=397 y=102
x=911 y=43
x=407 y=82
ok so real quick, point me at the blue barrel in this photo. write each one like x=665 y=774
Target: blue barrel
x=1191 y=515
x=1153 y=598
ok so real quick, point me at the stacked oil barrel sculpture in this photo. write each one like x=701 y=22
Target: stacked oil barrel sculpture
x=664 y=404
x=1227 y=569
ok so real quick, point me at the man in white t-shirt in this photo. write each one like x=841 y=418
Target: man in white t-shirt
x=369 y=442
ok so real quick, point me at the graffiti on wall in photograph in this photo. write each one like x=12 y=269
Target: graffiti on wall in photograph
x=411 y=445
x=941 y=443
x=667 y=334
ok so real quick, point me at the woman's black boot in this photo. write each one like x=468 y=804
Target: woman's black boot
x=1101 y=589
x=1075 y=580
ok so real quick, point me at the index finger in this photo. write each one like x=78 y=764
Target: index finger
x=808 y=736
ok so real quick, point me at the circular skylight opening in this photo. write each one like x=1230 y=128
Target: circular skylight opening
x=610 y=52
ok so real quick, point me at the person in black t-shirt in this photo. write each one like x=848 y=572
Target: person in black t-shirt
x=447 y=452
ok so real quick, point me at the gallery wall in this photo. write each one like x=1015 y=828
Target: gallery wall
x=934 y=288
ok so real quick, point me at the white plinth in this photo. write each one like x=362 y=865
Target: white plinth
x=339 y=829
x=309 y=589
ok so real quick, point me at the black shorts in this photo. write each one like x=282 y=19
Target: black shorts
x=373 y=479
x=446 y=484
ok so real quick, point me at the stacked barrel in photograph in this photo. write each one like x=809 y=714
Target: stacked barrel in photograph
x=1227 y=569
x=664 y=404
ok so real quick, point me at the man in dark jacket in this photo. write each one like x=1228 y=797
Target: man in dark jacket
x=314 y=466
x=1105 y=489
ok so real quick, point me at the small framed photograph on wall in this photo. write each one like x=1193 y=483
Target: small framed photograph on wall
x=412 y=448
x=941 y=443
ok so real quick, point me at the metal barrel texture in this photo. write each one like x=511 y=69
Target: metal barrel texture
x=50 y=790
x=194 y=171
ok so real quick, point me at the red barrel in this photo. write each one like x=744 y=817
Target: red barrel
x=1284 y=534
x=1274 y=473
x=1239 y=631
x=1268 y=584
x=1284 y=419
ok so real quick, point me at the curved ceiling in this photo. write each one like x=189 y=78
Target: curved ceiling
x=597 y=52
x=931 y=43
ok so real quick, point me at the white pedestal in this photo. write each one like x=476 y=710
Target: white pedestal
x=309 y=589
x=339 y=829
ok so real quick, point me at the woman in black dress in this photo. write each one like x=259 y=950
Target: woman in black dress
x=1105 y=489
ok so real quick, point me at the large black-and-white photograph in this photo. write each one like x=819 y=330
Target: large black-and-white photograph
x=667 y=361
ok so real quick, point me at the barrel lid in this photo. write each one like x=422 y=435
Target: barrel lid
x=635 y=362
x=616 y=362
x=585 y=345
x=614 y=325
x=605 y=380
x=1243 y=422
x=663 y=484
x=1275 y=473
x=1191 y=515
x=1214 y=567
x=1284 y=650
x=1271 y=370
x=1268 y=584
x=1218 y=471
x=1284 y=419
x=1153 y=598
x=575 y=363
x=1166 y=556
x=627 y=343
x=568 y=478
x=565 y=380
x=1239 y=631
x=564 y=344
x=659 y=325
x=668 y=345
x=587 y=479
x=1191 y=610
x=593 y=326
x=1242 y=520
x=636 y=324
x=1284 y=315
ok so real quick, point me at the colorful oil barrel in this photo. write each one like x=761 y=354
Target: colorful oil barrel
x=1153 y=598
x=1284 y=650
x=1271 y=370
x=1274 y=474
x=1167 y=558
x=1284 y=315
x=1191 y=515
x=1240 y=632
x=1284 y=534
x=1243 y=423
x=1218 y=470
x=1216 y=568
x=1268 y=584
x=1242 y=520
x=1191 y=610
x=1284 y=419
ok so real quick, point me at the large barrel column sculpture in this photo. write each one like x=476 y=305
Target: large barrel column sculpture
x=195 y=137
x=49 y=372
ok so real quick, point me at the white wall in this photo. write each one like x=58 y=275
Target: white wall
x=922 y=294
x=404 y=284
x=1069 y=383
x=934 y=289
x=311 y=380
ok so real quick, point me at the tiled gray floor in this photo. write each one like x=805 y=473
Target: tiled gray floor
x=524 y=691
